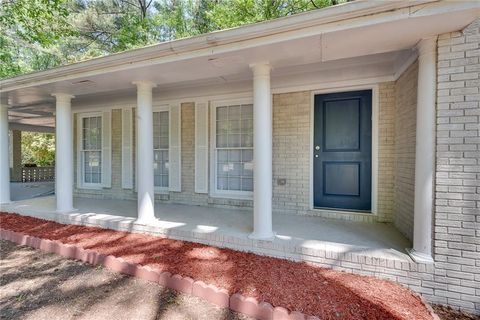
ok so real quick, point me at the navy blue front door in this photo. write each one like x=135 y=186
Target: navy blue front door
x=342 y=155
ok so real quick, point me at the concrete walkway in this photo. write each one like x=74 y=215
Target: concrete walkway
x=28 y=190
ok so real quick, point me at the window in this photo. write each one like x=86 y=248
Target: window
x=234 y=149
x=160 y=149
x=91 y=152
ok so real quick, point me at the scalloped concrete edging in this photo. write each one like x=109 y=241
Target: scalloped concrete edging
x=220 y=297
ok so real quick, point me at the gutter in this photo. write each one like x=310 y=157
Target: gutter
x=175 y=48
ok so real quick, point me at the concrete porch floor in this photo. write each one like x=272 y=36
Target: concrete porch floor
x=27 y=190
x=297 y=237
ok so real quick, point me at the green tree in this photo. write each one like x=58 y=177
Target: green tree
x=185 y=18
x=38 y=148
x=41 y=34
x=30 y=34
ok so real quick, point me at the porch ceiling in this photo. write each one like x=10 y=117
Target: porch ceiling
x=315 y=45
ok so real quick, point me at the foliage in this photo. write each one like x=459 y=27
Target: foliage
x=38 y=148
x=31 y=33
x=40 y=34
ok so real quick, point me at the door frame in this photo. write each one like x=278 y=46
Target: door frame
x=375 y=106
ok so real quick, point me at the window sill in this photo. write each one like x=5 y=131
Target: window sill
x=161 y=191
x=232 y=196
x=93 y=187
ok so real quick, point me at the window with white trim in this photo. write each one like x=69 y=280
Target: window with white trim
x=160 y=149
x=234 y=149
x=91 y=150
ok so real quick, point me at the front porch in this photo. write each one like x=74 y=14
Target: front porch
x=341 y=244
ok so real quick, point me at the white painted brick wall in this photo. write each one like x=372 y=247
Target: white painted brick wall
x=454 y=278
x=386 y=151
x=291 y=152
x=457 y=196
x=291 y=155
x=405 y=130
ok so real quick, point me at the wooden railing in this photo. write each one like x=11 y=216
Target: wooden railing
x=32 y=174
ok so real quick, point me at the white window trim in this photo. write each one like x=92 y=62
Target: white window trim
x=82 y=184
x=162 y=108
x=375 y=111
x=214 y=192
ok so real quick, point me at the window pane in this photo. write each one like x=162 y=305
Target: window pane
x=222 y=113
x=247 y=184
x=96 y=178
x=234 y=142
x=222 y=183
x=247 y=111
x=247 y=155
x=160 y=146
x=164 y=142
x=234 y=112
x=222 y=127
x=236 y=169
x=92 y=146
x=157 y=180
x=235 y=155
x=222 y=141
x=223 y=169
x=160 y=130
x=234 y=126
x=222 y=155
x=92 y=166
x=92 y=133
x=234 y=184
x=247 y=126
x=160 y=168
x=247 y=140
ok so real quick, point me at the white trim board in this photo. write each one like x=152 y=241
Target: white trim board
x=375 y=112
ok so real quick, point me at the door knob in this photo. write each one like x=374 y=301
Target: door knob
x=317 y=148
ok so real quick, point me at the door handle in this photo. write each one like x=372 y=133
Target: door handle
x=317 y=148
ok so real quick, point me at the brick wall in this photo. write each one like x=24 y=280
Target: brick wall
x=291 y=159
x=291 y=155
x=386 y=151
x=457 y=203
x=405 y=131
x=291 y=152
x=188 y=194
x=16 y=150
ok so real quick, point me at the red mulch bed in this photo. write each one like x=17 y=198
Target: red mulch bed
x=325 y=293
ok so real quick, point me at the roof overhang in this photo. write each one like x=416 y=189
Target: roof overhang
x=380 y=34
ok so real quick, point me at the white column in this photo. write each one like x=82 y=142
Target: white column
x=145 y=187
x=425 y=152
x=63 y=152
x=262 y=153
x=4 y=156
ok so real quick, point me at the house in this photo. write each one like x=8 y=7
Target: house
x=345 y=120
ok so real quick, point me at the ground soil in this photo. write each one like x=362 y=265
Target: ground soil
x=326 y=293
x=447 y=313
x=40 y=286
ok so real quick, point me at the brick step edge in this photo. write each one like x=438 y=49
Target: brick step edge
x=220 y=297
